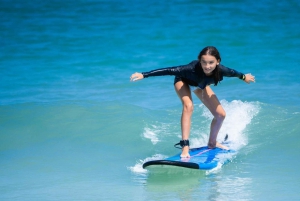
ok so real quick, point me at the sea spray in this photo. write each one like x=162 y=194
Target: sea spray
x=239 y=115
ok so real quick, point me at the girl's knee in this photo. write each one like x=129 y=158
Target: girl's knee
x=220 y=115
x=188 y=107
x=223 y=114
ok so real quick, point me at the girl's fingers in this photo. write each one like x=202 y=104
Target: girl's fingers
x=135 y=77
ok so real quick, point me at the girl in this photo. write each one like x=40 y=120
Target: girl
x=197 y=76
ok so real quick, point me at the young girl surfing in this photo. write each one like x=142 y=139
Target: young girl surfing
x=197 y=76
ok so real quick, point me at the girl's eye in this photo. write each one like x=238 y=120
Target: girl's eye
x=210 y=62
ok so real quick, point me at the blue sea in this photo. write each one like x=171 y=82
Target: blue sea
x=73 y=126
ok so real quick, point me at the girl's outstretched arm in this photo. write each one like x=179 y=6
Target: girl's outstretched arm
x=136 y=76
x=180 y=70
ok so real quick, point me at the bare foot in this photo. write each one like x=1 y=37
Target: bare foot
x=185 y=152
x=221 y=146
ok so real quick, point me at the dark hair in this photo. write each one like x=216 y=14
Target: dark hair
x=210 y=50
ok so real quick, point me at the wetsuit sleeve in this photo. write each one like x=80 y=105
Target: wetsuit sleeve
x=228 y=72
x=176 y=70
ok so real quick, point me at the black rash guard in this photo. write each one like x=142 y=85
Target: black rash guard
x=193 y=74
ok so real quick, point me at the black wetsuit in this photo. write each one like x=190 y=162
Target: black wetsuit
x=193 y=74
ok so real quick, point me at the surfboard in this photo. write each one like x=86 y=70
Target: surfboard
x=202 y=158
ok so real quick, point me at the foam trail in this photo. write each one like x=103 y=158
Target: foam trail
x=151 y=134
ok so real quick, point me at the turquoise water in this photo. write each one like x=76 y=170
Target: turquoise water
x=72 y=126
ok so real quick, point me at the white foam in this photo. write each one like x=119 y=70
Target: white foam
x=138 y=167
x=223 y=158
x=214 y=170
x=238 y=115
x=151 y=134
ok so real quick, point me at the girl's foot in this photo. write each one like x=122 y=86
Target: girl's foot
x=185 y=147
x=219 y=145
x=185 y=152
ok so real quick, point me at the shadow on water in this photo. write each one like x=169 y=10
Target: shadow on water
x=173 y=182
x=177 y=183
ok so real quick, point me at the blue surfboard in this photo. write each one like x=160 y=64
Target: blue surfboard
x=202 y=158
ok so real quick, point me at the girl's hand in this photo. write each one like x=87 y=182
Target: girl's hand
x=136 y=77
x=249 y=78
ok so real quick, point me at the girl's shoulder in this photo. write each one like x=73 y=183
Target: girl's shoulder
x=222 y=67
x=194 y=62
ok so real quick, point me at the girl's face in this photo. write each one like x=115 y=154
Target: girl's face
x=208 y=63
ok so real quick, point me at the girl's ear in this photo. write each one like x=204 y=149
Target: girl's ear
x=218 y=61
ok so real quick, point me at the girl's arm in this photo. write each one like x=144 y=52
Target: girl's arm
x=228 y=72
x=177 y=70
x=157 y=72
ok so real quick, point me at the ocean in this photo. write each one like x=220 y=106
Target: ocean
x=73 y=126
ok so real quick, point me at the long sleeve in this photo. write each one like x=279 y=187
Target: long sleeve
x=193 y=74
x=228 y=72
x=176 y=70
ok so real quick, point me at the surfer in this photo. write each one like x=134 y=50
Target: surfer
x=197 y=76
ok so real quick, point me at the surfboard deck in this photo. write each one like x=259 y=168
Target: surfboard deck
x=202 y=158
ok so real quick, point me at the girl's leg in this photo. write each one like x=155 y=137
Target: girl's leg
x=184 y=92
x=210 y=100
